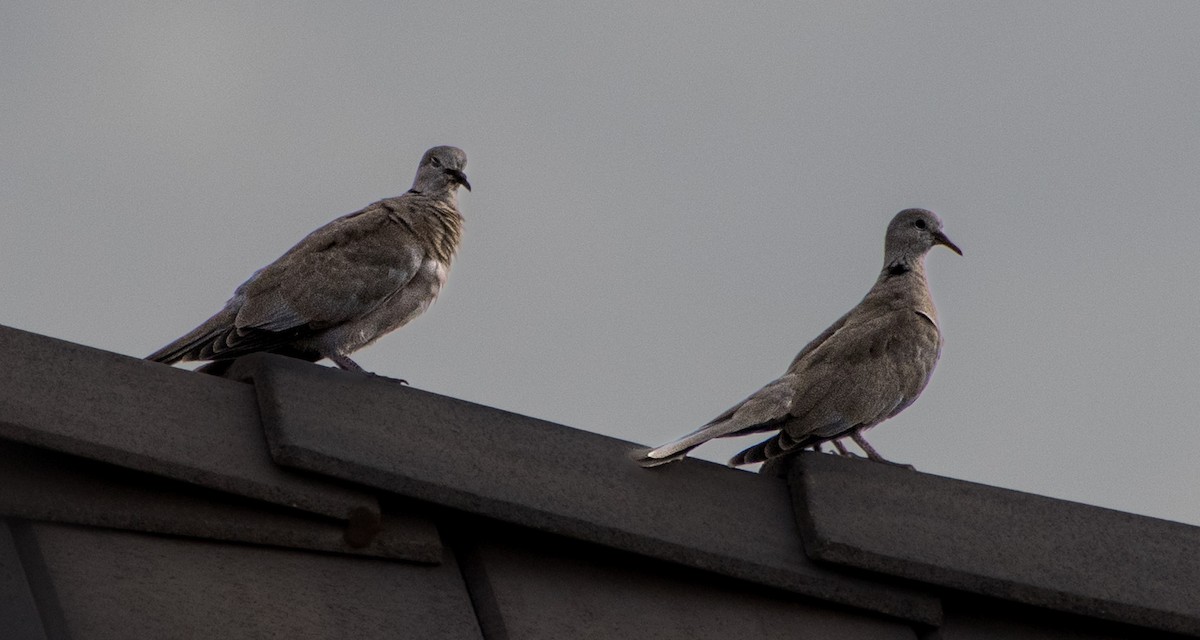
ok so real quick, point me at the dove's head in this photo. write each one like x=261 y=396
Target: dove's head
x=912 y=233
x=441 y=171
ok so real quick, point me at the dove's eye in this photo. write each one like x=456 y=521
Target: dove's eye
x=920 y=224
x=435 y=162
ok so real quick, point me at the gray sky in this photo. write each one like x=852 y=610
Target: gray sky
x=668 y=202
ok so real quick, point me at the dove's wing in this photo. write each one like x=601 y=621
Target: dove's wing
x=338 y=273
x=869 y=370
x=765 y=410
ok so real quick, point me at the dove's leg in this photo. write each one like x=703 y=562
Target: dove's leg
x=840 y=449
x=345 y=363
x=872 y=453
x=866 y=447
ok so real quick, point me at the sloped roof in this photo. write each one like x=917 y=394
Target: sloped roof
x=293 y=500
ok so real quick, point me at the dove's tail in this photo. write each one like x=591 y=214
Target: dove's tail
x=782 y=444
x=197 y=343
x=758 y=453
x=646 y=457
x=677 y=449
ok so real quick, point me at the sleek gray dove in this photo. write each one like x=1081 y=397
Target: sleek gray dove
x=865 y=368
x=346 y=284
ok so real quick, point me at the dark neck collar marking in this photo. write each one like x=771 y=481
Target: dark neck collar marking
x=898 y=269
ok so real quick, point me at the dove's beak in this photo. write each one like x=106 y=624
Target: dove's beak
x=459 y=177
x=940 y=238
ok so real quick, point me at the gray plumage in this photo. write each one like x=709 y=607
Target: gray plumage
x=346 y=284
x=865 y=368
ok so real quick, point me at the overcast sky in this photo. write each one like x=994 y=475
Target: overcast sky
x=670 y=201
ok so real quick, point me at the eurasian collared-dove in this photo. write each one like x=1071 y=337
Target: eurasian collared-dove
x=865 y=368
x=347 y=283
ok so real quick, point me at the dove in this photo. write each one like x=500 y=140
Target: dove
x=346 y=284
x=865 y=368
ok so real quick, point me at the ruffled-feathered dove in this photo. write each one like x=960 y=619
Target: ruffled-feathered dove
x=867 y=367
x=346 y=284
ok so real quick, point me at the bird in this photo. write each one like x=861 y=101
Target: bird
x=868 y=366
x=346 y=284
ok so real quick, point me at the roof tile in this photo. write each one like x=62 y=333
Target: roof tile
x=377 y=432
x=1012 y=545
x=150 y=417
